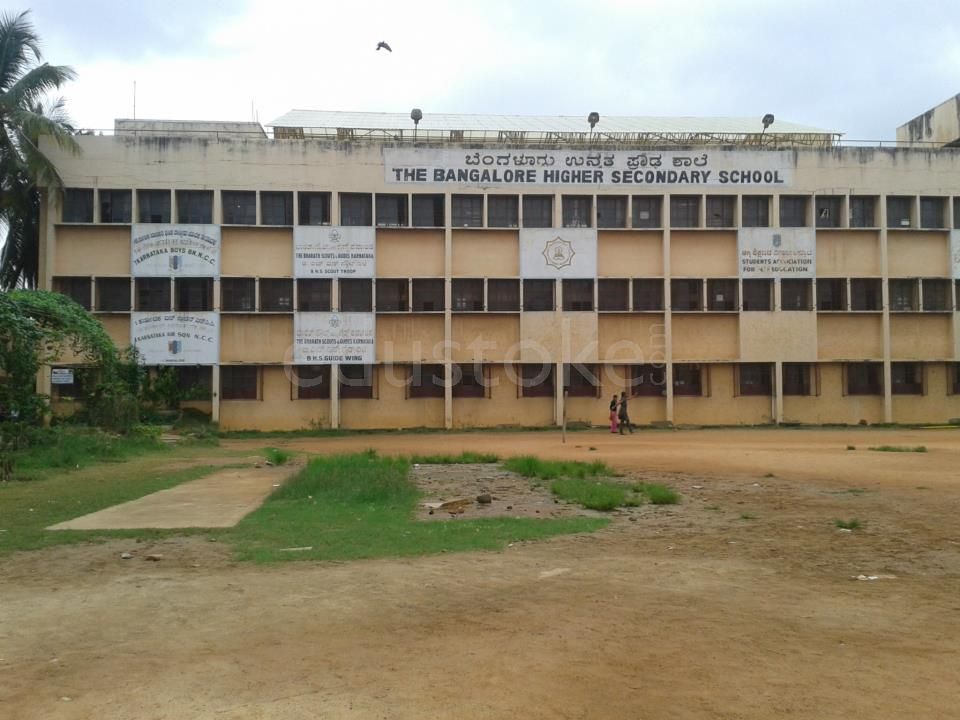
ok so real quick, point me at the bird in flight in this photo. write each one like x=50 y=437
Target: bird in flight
x=383 y=44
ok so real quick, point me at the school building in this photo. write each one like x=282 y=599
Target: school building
x=369 y=270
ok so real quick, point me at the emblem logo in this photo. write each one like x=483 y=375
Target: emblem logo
x=777 y=240
x=176 y=262
x=335 y=235
x=334 y=321
x=174 y=347
x=558 y=253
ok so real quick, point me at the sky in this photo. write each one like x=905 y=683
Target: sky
x=856 y=67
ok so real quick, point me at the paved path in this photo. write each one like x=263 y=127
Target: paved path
x=218 y=500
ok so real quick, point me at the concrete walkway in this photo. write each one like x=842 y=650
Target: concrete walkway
x=218 y=500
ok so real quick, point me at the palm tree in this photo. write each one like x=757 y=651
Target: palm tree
x=24 y=169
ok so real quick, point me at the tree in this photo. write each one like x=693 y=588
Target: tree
x=25 y=82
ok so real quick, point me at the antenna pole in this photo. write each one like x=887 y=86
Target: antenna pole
x=134 y=99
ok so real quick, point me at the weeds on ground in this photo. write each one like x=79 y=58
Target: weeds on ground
x=530 y=466
x=851 y=447
x=275 y=456
x=465 y=458
x=853 y=524
x=748 y=516
x=593 y=494
x=899 y=448
x=658 y=494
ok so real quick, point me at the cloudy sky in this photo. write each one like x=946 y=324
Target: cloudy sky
x=853 y=66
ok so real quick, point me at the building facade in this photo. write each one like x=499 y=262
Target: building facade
x=352 y=276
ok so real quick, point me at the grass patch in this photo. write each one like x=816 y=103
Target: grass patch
x=533 y=467
x=464 y=458
x=714 y=508
x=848 y=524
x=592 y=494
x=276 y=456
x=347 y=507
x=659 y=494
x=851 y=447
x=899 y=448
x=748 y=516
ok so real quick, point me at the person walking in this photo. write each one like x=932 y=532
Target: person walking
x=623 y=415
x=613 y=414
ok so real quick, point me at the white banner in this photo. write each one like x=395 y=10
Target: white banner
x=777 y=252
x=176 y=338
x=330 y=337
x=178 y=250
x=334 y=251
x=558 y=252
x=955 y=252
x=614 y=168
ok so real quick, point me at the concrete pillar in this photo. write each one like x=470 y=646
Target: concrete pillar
x=559 y=407
x=334 y=396
x=667 y=316
x=447 y=312
x=215 y=393
x=885 y=275
x=778 y=392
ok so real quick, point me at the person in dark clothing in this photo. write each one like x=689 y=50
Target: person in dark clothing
x=624 y=415
x=613 y=414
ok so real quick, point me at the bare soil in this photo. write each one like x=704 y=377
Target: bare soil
x=741 y=602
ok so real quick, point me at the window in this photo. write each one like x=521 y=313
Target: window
x=793 y=211
x=467 y=294
x=195 y=206
x=722 y=295
x=831 y=294
x=647 y=294
x=536 y=380
x=503 y=295
x=193 y=294
x=428 y=211
x=578 y=295
x=77 y=205
x=356 y=382
x=899 y=211
x=467 y=210
x=931 y=213
x=577 y=211
x=648 y=380
x=796 y=294
x=428 y=295
x=865 y=294
x=116 y=206
x=314 y=208
x=864 y=378
x=538 y=211
x=74 y=390
x=828 y=210
x=956 y=213
x=797 y=379
x=955 y=379
x=153 y=206
x=756 y=211
x=195 y=381
x=152 y=294
x=538 y=295
x=391 y=210
x=613 y=294
x=276 y=208
x=239 y=382
x=685 y=211
x=426 y=381
x=113 y=294
x=75 y=288
x=720 y=210
x=755 y=379
x=686 y=295
x=906 y=378
x=469 y=381
x=503 y=211
x=581 y=380
x=312 y=382
x=356 y=295
x=356 y=209
x=239 y=207
x=936 y=295
x=313 y=295
x=863 y=211
x=392 y=295
x=238 y=294
x=611 y=211
x=903 y=296
x=757 y=295
x=646 y=211
x=687 y=380
x=276 y=295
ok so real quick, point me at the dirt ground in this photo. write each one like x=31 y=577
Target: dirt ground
x=742 y=602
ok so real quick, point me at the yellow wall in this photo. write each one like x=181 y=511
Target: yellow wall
x=921 y=337
x=629 y=254
x=276 y=409
x=705 y=337
x=389 y=409
x=503 y=407
x=918 y=254
x=936 y=405
x=635 y=338
x=849 y=337
x=831 y=405
x=771 y=336
x=486 y=253
x=410 y=338
x=409 y=253
x=92 y=250
x=721 y=407
x=704 y=254
x=485 y=337
x=256 y=338
x=849 y=253
x=256 y=252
